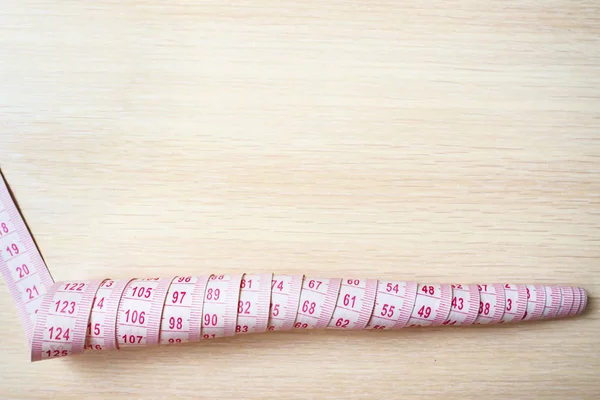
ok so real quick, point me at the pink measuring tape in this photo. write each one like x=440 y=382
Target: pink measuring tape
x=66 y=318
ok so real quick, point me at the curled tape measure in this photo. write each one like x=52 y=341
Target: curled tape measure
x=66 y=318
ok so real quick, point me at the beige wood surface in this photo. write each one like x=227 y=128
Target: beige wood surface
x=438 y=141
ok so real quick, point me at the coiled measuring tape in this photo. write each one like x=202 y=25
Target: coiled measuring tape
x=66 y=318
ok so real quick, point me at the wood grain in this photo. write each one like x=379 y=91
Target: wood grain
x=443 y=141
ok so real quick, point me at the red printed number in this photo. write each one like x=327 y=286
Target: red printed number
x=246 y=282
x=458 y=303
x=387 y=310
x=239 y=328
x=428 y=290
x=309 y=307
x=348 y=300
x=175 y=323
x=23 y=271
x=65 y=307
x=132 y=339
x=312 y=284
x=484 y=308
x=3 y=228
x=391 y=288
x=275 y=308
x=210 y=319
x=274 y=285
x=424 y=312
x=213 y=294
x=244 y=307
x=57 y=353
x=13 y=249
x=178 y=297
x=342 y=323
x=135 y=316
x=58 y=333
x=107 y=284
x=78 y=287
x=354 y=282
x=96 y=329
x=31 y=291
x=99 y=304
x=141 y=291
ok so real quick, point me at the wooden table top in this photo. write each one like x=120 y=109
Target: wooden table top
x=440 y=142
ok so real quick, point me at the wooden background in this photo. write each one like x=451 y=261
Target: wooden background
x=445 y=141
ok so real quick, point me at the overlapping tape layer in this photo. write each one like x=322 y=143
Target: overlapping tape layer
x=66 y=318
x=91 y=315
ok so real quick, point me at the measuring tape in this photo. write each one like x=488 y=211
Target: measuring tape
x=66 y=318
